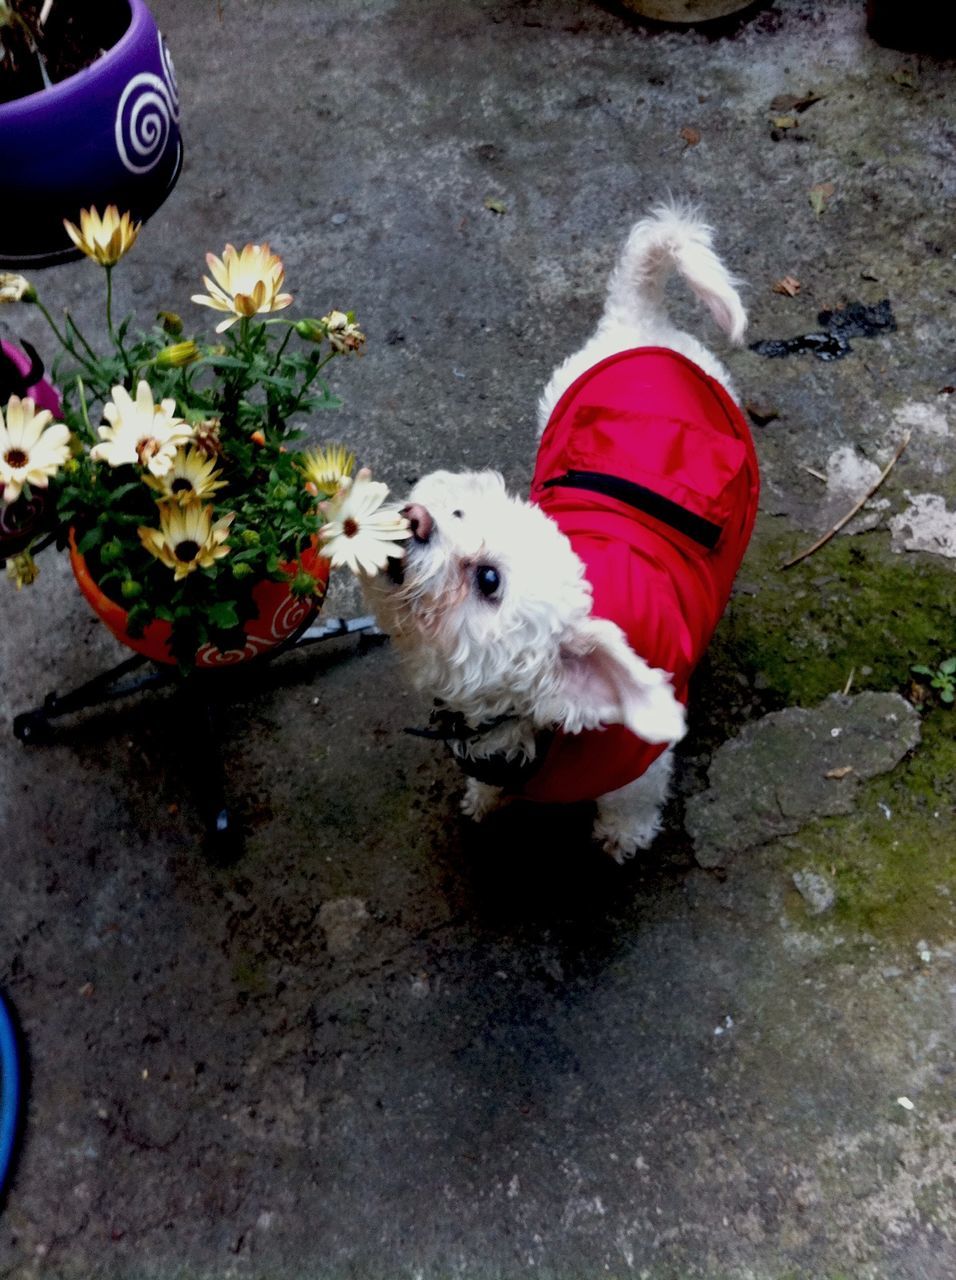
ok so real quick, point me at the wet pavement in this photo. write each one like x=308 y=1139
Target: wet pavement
x=384 y=1043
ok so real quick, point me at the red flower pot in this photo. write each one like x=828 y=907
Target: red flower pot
x=280 y=615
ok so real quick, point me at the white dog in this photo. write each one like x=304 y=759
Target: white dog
x=558 y=635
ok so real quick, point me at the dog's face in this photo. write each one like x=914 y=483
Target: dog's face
x=492 y=612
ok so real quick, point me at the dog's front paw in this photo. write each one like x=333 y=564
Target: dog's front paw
x=631 y=818
x=480 y=799
x=622 y=843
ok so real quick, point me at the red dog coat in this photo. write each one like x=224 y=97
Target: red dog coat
x=648 y=467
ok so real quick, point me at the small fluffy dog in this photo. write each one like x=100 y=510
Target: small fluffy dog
x=558 y=635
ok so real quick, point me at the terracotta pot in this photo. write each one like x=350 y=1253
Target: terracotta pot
x=281 y=615
x=107 y=135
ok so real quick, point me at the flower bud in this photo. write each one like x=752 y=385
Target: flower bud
x=170 y=323
x=303 y=584
x=22 y=570
x=177 y=356
x=130 y=589
x=111 y=551
x=250 y=537
x=311 y=330
x=241 y=569
x=258 y=437
x=14 y=288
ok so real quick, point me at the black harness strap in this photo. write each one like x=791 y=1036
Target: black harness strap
x=495 y=770
x=653 y=504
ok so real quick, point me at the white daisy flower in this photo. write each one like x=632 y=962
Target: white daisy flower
x=360 y=534
x=140 y=431
x=32 y=447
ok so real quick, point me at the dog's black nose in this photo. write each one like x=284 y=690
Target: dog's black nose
x=419 y=521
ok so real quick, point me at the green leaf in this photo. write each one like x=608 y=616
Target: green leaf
x=91 y=539
x=223 y=615
x=949 y=666
x=281 y=384
x=124 y=489
x=221 y=362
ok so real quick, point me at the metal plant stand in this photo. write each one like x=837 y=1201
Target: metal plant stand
x=134 y=674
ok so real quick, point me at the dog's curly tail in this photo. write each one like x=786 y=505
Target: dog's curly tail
x=674 y=238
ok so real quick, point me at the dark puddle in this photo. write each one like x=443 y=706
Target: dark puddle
x=855 y=320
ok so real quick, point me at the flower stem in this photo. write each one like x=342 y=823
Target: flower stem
x=83 y=409
x=64 y=341
x=281 y=348
x=109 y=321
x=109 y=302
x=72 y=325
x=52 y=323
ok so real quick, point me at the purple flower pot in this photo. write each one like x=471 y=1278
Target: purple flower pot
x=107 y=135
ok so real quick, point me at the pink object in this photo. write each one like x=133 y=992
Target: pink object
x=42 y=393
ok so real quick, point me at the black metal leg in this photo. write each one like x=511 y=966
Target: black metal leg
x=34 y=725
x=332 y=628
x=223 y=833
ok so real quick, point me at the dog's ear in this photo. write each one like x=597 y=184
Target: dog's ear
x=602 y=681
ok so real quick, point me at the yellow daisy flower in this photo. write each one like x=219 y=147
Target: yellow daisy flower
x=105 y=239
x=244 y=283
x=32 y=447
x=192 y=476
x=325 y=469
x=140 y=431
x=187 y=537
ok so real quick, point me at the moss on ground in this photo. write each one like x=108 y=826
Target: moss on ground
x=790 y=637
x=853 y=606
x=893 y=861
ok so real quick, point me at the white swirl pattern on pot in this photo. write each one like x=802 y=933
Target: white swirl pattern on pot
x=289 y=615
x=147 y=112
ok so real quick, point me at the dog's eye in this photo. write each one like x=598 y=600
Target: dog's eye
x=487 y=579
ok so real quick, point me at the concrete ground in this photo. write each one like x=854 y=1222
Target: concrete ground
x=383 y=1043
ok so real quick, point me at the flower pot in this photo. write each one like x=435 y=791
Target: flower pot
x=24 y=520
x=108 y=134
x=280 y=615
x=917 y=26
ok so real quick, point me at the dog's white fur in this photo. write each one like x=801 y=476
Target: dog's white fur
x=533 y=651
